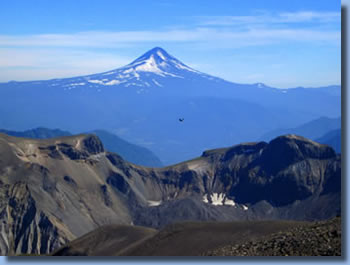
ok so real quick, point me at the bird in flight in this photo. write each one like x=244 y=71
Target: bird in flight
x=181 y=119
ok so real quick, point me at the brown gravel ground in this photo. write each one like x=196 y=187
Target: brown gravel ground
x=319 y=239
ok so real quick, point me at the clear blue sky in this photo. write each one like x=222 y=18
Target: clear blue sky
x=280 y=43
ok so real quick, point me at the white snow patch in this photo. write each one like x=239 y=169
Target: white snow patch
x=218 y=199
x=170 y=74
x=156 y=83
x=161 y=55
x=110 y=83
x=113 y=82
x=205 y=198
x=127 y=71
x=229 y=202
x=163 y=64
x=184 y=67
x=149 y=65
x=137 y=75
x=133 y=84
x=77 y=84
x=154 y=203
x=245 y=207
x=96 y=82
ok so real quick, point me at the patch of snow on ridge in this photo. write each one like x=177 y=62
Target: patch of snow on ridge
x=184 y=67
x=127 y=71
x=137 y=75
x=156 y=83
x=205 y=198
x=77 y=84
x=96 y=82
x=113 y=82
x=161 y=55
x=154 y=203
x=229 y=202
x=148 y=65
x=218 y=199
x=110 y=83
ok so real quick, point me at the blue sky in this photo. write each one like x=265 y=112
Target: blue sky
x=280 y=43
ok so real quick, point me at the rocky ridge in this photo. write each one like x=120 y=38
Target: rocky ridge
x=55 y=190
x=317 y=239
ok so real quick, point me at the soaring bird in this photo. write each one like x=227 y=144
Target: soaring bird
x=181 y=119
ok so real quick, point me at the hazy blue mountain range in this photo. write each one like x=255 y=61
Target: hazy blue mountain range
x=143 y=101
x=130 y=152
x=332 y=138
x=313 y=130
x=37 y=133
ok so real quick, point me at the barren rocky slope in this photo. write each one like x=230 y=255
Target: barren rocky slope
x=53 y=191
x=238 y=238
x=180 y=239
x=317 y=239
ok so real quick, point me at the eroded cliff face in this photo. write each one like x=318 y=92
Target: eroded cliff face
x=55 y=190
x=29 y=229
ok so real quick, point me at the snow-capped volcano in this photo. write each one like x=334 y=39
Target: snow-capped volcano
x=143 y=101
x=150 y=69
x=158 y=61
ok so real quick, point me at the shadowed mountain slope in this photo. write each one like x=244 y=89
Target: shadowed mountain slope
x=109 y=240
x=55 y=190
x=182 y=239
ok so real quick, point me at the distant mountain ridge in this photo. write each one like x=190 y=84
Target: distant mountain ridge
x=312 y=130
x=332 y=138
x=37 y=133
x=143 y=101
x=130 y=152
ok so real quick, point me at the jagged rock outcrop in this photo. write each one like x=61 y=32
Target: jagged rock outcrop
x=31 y=230
x=55 y=190
x=51 y=192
